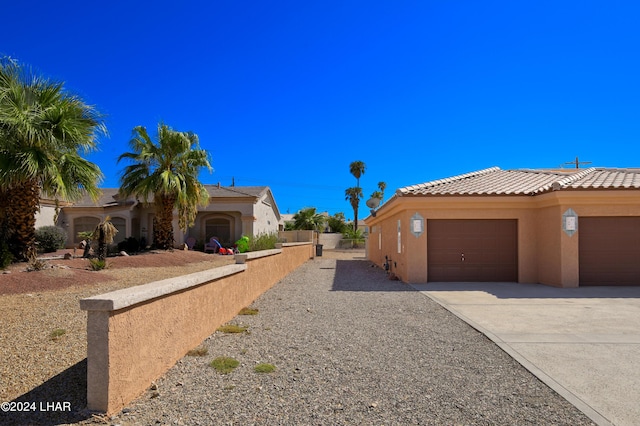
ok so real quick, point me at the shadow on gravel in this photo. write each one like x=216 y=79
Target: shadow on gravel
x=534 y=291
x=60 y=400
x=362 y=275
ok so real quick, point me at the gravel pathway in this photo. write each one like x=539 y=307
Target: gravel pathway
x=350 y=347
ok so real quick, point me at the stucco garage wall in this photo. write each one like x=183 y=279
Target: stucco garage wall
x=135 y=335
x=548 y=246
x=412 y=262
x=546 y=254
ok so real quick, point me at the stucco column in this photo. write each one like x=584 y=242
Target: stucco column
x=247 y=224
x=569 y=258
x=98 y=360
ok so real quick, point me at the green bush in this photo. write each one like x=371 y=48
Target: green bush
x=263 y=242
x=354 y=237
x=224 y=364
x=337 y=223
x=50 y=238
x=97 y=264
x=130 y=245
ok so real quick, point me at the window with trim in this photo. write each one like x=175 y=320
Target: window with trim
x=218 y=227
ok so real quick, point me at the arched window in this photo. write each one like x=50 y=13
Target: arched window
x=84 y=224
x=121 y=226
x=218 y=227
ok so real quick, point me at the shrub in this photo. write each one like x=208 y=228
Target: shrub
x=224 y=364
x=50 y=238
x=57 y=333
x=232 y=328
x=263 y=242
x=98 y=264
x=199 y=351
x=337 y=223
x=355 y=237
x=130 y=245
x=264 y=368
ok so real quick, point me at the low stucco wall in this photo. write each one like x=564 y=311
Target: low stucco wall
x=135 y=335
x=330 y=241
x=296 y=236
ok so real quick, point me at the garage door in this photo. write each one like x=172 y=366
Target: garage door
x=609 y=250
x=472 y=250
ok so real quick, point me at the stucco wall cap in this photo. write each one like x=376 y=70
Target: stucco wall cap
x=126 y=297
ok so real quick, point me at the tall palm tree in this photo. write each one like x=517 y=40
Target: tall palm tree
x=353 y=195
x=167 y=172
x=357 y=168
x=308 y=219
x=42 y=131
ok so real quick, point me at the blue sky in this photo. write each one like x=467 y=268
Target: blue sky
x=288 y=93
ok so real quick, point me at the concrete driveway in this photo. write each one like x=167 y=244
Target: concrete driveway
x=584 y=343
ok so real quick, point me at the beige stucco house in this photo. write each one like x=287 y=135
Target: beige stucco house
x=564 y=228
x=231 y=213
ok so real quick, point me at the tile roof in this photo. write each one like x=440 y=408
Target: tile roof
x=494 y=181
x=235 y=191
x=109 y=196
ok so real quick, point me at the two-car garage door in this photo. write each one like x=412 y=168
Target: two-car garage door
x=487 y=250
x=472 y=250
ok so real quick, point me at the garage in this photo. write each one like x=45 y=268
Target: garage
x=609 y=251
x=480 y=250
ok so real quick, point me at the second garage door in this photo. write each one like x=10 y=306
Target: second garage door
x=609 y=250
x=481 y=250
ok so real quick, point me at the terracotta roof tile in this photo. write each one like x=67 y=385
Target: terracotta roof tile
x=494 y=181
x=609 y=179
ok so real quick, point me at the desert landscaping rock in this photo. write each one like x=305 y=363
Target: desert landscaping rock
x=350 y=347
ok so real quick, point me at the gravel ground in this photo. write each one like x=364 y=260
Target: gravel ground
x=350 y=347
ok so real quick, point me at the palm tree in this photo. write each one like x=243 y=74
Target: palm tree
x=357 y=168
x=381 y=187
x=42 y=130
x=105 y=232
x=379 y=194
x=308 y=219
x=166 y=171
x=353 y=195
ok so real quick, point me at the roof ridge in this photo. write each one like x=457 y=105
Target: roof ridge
x=404 y=190
x=262 y=188
x=572 y=178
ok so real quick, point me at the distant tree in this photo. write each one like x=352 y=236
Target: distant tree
x=43 y=131
x=379 y=194
x=353 y=195
x=308 y=219
x=337 y=223
x=357 y=168
x=166 y=171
